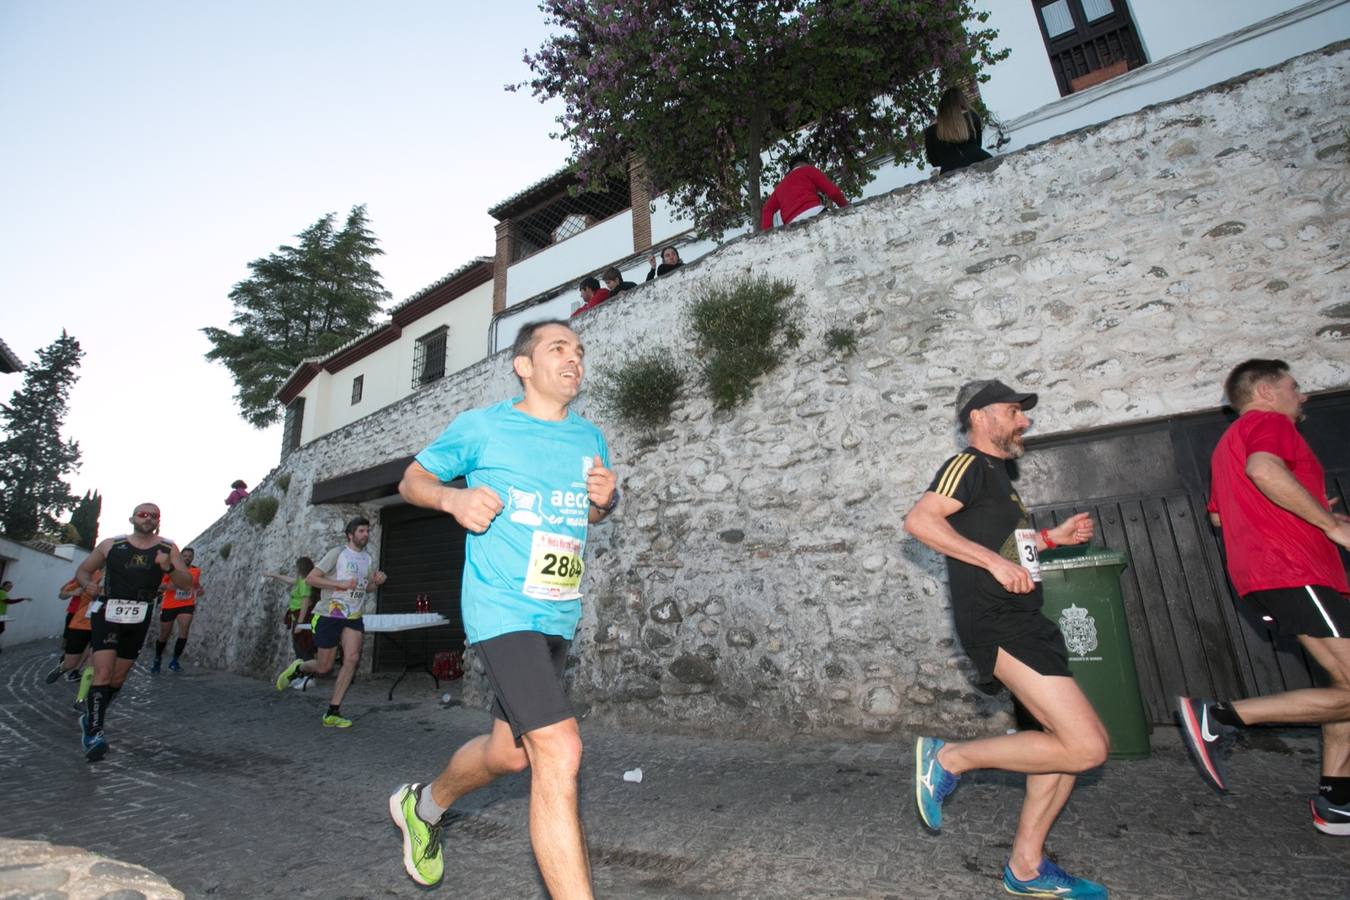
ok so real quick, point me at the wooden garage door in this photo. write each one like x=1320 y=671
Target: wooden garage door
x=1146 y=486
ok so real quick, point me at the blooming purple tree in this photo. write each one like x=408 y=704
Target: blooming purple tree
x=703 y=90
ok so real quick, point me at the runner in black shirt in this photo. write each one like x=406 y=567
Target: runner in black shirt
x=972 y=514
x=133 y=566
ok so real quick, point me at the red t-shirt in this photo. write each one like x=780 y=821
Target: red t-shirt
x=1269 y=547
x=796 y=193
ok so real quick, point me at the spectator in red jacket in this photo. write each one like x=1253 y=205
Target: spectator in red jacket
x=800 y=195
x=592 y=295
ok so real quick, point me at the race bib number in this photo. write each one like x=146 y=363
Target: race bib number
x=181 y=594
x=126 y=612
x=1026 y=552
x=554 y=570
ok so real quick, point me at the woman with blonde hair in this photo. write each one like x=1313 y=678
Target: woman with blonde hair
x=953 y=141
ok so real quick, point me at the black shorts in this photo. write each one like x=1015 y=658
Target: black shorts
x=1312 y=610
x=1026 y=635
x=525 y=671
x=328 y=630
x=127 y=640
x=168 y=615
x=74 y=640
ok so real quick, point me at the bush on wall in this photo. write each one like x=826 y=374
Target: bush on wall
x=743 y=330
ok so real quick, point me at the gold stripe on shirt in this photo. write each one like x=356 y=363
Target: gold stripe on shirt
x=951 y=476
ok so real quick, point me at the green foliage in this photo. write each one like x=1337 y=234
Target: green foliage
x=842 y=340
x=298 y=302
x=284 y=481
x=701 y=90
x=84 y=520
x=261 y=510
x=742 y=330
x=225 y=550
x=642 y=390
x=34 y=459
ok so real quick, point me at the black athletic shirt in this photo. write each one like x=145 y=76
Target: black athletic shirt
x=131 y=573
x=991 y=510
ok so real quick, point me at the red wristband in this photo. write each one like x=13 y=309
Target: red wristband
x=1045 y=536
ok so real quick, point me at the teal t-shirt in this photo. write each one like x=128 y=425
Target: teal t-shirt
x=524 y=572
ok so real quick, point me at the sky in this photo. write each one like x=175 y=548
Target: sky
x=150 y=149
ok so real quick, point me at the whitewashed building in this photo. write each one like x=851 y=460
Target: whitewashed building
x=437 y=331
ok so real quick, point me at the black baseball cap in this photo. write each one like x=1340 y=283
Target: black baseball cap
x=979 y=394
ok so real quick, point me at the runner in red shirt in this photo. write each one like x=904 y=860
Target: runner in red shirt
x=1268 y=493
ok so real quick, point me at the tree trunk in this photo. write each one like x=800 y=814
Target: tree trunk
x=754 y=146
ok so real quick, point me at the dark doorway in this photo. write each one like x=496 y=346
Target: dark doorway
x=1147 y=486
x=422 y=552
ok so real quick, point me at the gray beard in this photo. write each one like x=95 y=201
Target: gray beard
x=1010 y=446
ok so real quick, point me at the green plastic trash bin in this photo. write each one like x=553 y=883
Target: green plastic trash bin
x=1081 y=586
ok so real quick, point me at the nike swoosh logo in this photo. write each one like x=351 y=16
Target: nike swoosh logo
x=1205 y=733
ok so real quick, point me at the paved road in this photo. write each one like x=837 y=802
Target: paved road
x=230 y=789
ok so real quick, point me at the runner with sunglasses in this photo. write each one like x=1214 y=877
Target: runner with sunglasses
x=133 y=565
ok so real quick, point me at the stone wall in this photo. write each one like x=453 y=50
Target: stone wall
x=756 y=579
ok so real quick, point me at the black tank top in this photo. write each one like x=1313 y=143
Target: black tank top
x=131 y=573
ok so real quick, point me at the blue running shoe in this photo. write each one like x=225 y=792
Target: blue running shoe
x=154 y=667
x=932 y=783
x=95 y=746
x=174 y=666
x=1052 y=881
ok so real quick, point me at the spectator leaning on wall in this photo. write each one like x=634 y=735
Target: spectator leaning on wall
x=800 y=195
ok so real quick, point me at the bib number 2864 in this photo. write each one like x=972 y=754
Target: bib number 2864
x=554 y=569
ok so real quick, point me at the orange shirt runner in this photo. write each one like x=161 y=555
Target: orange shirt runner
x=176 y=599
x=80 y=599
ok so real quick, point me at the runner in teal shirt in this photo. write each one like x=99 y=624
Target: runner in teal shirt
x=524 y=572
x=537 y=474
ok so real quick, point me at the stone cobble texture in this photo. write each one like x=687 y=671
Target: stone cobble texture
x=755 y=580
x=229 y=789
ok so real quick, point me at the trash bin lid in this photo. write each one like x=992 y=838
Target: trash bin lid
x=1083 y=557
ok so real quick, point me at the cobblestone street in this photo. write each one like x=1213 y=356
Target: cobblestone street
x=227 y=788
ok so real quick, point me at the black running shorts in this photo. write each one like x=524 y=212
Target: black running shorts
x=525 y=670
x=1312 y=610
x=74 y=640
x=168 y=615
x=328 y=630
x=127 y=640
x=1027 y=635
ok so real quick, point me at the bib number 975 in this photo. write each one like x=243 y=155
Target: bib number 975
x=126 y=612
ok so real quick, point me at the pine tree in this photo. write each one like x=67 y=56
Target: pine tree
x=301 y=301
x=85 y=519
x=34 y=459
